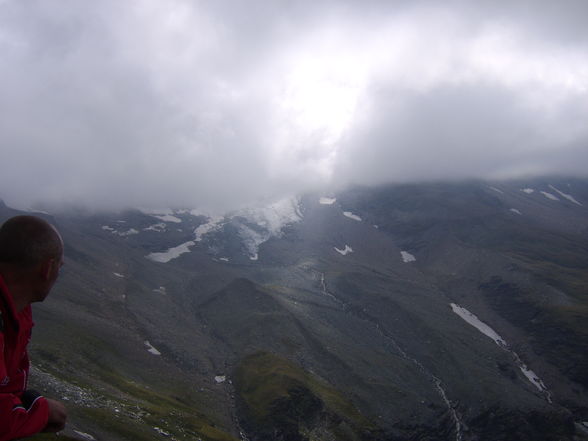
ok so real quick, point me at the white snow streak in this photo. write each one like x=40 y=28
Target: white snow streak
x=528 y=190
x=496 y=189
x=514 y=210
x=171 y=253
x=489 y=332
x=151 y=349
x=213 y=224
x=350 y=215
x=160 y=227
x=345 y=250
x=565 y=195
x=532 y=377
x=118 y=275
x=167 y=218
x=129 y=232
x=407 y=257
x=327 y=201
x=220 y=379
x=550 y=196
x=175 y=252
x=85 y=435
x=478 y=324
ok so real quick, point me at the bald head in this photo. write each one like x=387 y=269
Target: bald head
x=26 y=241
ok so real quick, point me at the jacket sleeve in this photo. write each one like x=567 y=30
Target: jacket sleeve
x=20 y=415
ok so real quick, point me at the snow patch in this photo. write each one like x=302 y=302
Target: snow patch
x=107 y=228
x=151 y=349
x=161 y=431
x=550 y=196
x=254 y=225
x=478 y=324
x=160 y=227
x=407 y=257
x=532 y=377
x=118 y=275
x=220 y=379
x=224 y=259
x=327 y=201
x=565 y=195
x=528 y=190
x=497 y=190
x=167 y=218
x=350 y=215
x=213 y=224
x=129 y=232
x=171 y=253
x=161 y=290
x=85 y=435
x=514 y=210
x=489 y=332
x=345 y=250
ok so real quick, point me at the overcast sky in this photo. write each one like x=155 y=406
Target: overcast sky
x=219 y=103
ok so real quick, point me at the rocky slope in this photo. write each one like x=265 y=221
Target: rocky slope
x=430 y=312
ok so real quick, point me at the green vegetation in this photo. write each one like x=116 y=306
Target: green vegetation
x=279 y=396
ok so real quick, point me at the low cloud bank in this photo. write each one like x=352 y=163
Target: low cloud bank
x=178 y=104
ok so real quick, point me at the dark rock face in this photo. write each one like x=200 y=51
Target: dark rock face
x=551 y=337
x=283 y=336
x=497 y=423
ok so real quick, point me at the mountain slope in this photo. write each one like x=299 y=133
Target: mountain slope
x=433 y=311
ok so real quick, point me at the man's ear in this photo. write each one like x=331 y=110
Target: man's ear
x=47 y=269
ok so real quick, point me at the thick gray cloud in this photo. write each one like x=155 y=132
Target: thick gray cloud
x=159 y=103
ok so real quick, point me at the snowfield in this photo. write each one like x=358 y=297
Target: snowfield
x=345 y=250
x=213 y=224
x=565 y=195
x=471 y=319
x=171 y=253
x=550 y=196
x=151 y=349
x=478 y=324
x=327 y=201
x=407 y=257
x=350 y=215
x=160 y=227
x=168 y=218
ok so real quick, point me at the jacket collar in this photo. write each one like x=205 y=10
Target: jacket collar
x=8 y=305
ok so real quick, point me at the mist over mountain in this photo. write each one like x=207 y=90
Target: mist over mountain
x=401 y=312
x=183 y=103
x=307 y=220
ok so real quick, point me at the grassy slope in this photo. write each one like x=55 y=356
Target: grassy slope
x=277 y=395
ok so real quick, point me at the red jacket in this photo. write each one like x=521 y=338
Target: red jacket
x=22 y=412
